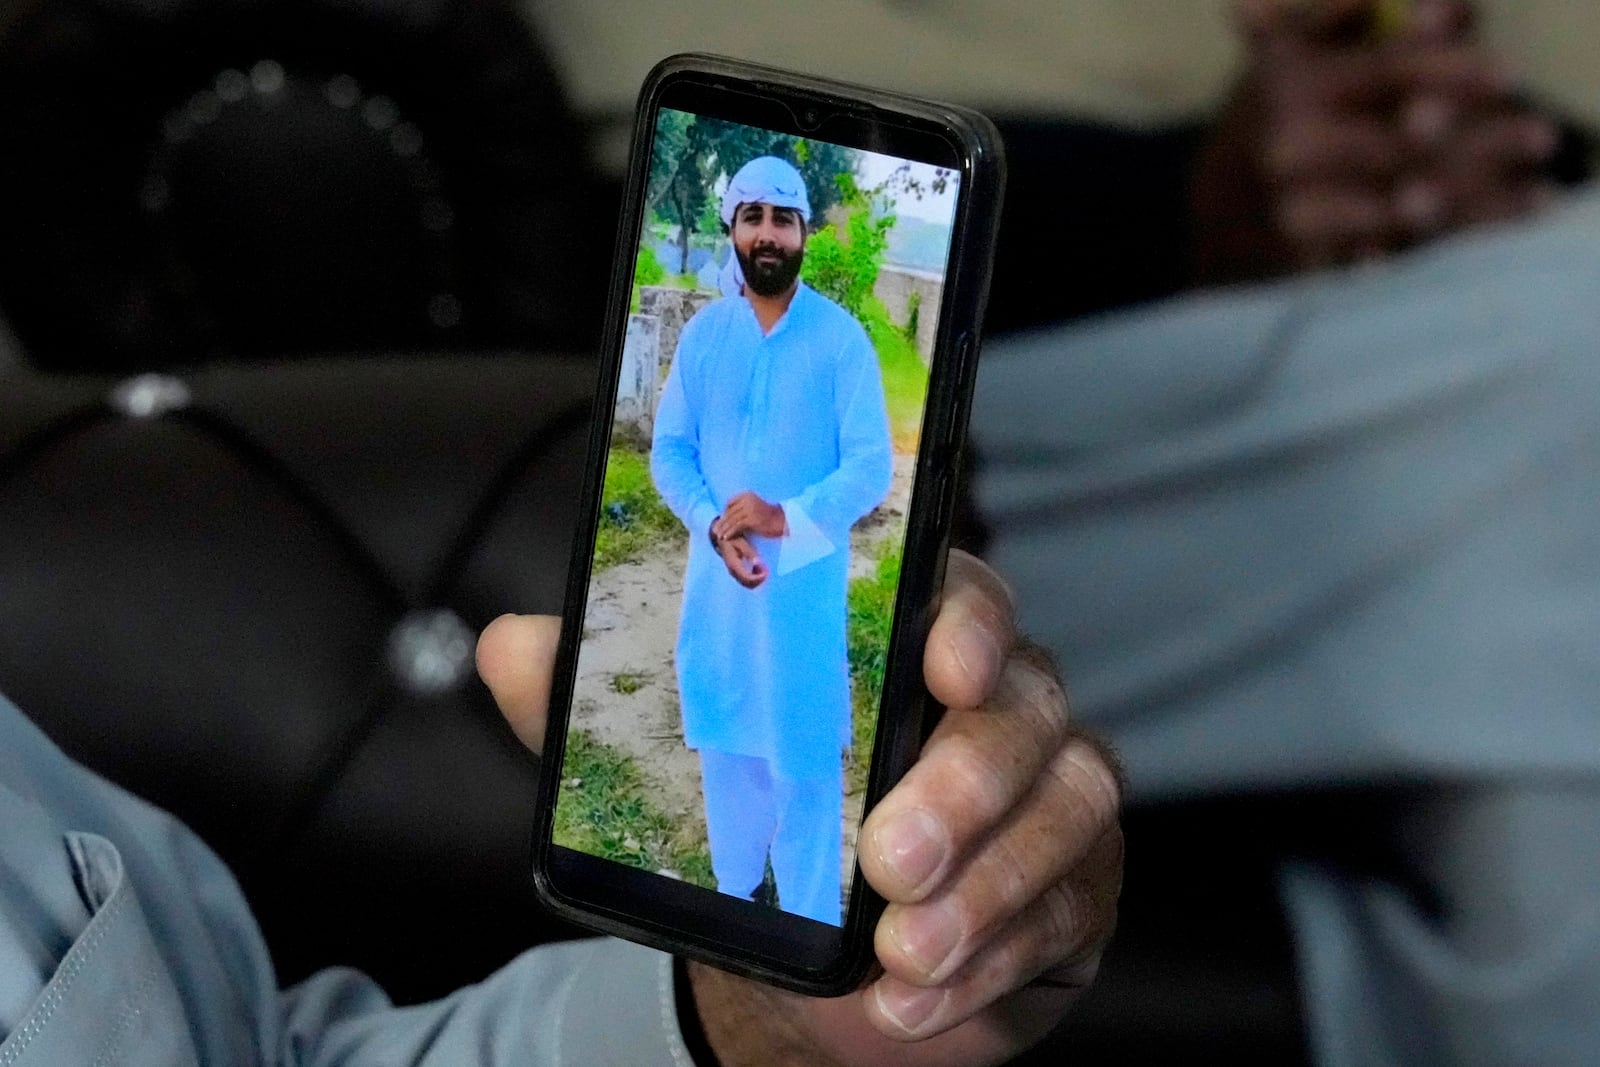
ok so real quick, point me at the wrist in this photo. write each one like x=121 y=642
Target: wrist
x=689 y=1025
x=744 y=1024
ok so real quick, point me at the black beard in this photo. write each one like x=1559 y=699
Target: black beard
x=770 y=279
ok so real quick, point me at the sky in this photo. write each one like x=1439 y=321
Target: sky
x=932 y=207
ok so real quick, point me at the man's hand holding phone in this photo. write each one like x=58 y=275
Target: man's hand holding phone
x=999 y=852
x=1360 y=128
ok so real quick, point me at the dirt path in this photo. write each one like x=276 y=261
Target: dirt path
x=629 y=635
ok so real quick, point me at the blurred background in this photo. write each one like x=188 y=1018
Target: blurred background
x=1134 y=62
x=298 y=305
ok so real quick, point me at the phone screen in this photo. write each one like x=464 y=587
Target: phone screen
x=747 y=556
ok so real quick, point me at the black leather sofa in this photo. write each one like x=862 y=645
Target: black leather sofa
x=250 y=594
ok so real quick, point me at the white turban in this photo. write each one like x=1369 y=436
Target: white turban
x=766 y=180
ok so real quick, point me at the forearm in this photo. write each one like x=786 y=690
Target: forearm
x=865 y=469
x=860 y=484
x=675 y=471
x=743 y=1027
x=675 y=459
x=597 y=1001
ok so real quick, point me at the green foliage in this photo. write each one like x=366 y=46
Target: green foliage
x=671 y=146
x=845 y=269
x=821 y=164
x=627 y=682
x=710 y=220
x=870 y=618
x=633 y=516
x=647 y=268
x=905 y=377
x=913 y=315
x=604 y=808
x=692 y=153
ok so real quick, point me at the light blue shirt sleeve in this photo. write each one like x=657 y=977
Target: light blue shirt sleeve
x=584 y=1002
x=124 y=940
x=866 y=459
x=675 y=448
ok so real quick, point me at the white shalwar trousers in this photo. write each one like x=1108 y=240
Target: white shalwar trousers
x=752 y=815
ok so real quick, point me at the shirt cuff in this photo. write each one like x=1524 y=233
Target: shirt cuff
x=805 y=543
x=700 y=519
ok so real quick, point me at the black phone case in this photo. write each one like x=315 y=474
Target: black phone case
x=907 y=712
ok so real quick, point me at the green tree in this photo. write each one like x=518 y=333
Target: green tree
x=693 y=154
x=820 y=164
x=672 y=138
x=845 y=269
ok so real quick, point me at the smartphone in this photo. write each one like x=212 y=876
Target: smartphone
x=784 y=383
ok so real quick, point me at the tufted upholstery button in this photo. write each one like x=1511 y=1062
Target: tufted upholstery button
x=149 y=396
x=266 y=77
x=259 y=609
x=430 y=651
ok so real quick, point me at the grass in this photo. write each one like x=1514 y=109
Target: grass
x=604 y=809
x=633 y=517
x=649 y=270
x=626 y=682
x=905 y=378
x=871 y=616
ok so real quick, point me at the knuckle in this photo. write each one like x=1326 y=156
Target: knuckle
x=1033 y=696
x=1088 y=789
x=984 y=592
x=1101 y=777
x=1011 y=873
x=971 y=780
x=1062 y=920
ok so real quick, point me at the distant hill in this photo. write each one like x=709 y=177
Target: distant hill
x=919 y=244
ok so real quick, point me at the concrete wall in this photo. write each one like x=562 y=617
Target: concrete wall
x=647 y=349
x=894 y=288
x=673 y=307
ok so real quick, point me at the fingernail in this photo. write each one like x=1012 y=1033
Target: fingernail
x=976 y=652
x=927 y=935
x=912 y=845
x=909 y=1007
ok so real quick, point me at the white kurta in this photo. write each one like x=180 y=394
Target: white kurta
x=798 y=418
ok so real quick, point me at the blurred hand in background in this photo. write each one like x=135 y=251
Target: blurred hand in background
x=1360 y=128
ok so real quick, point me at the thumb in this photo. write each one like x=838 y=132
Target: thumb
x=516 y=657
